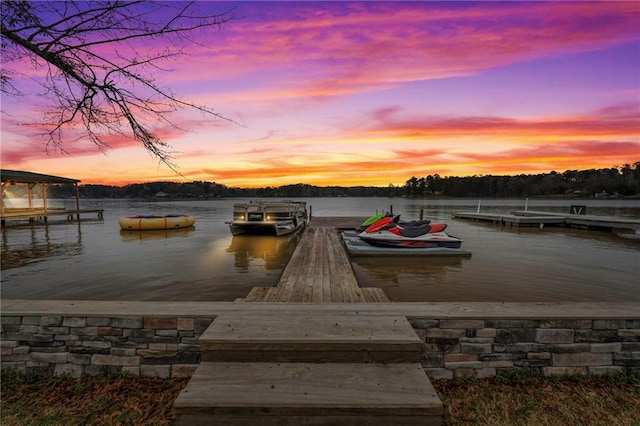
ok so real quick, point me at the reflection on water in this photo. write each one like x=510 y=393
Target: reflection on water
x=274 y=251
x=34 y=243
x=404 y=277
x=160 y=234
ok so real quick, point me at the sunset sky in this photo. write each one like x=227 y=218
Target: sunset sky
x=373 y=93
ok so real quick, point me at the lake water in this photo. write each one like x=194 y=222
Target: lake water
x=94 y=260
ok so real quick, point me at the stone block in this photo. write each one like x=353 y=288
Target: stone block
x=28 y=328
x=539 y=355
x=554 y=335
x=569 y=348
x=53 y=330
x=610 y=324
x=475 y=348
x=486 y=332
x=156 y=353
x=185 y=324
x=532 y=363
x=460 y=357
x=50 y=358
x=31 y=320
x=98 y=321
x=630 y=334
x=109 y=331
x=96 y=344
x=463 y=365
x=515 y=335
x=167 y=333
x=432 y=360
x=566 y=323
x=50 y=321
x=597 y=336
x=497 y=364
x=634 y=323
x=81 y=359
x=581 y=359
x=81 y=350
x=123 y=351
x=10 y=320
x=511 y=356
x=135 y=323
x=511 y=323
x=606 y=347
x=85 y=331
x=74 y=321
x=16 y=358
x=8 y=344
x=450 y=333
x=520 y=347
x=21 y=350
x=196 y=348
x=160 y=323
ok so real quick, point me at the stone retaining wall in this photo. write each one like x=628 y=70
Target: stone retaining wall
x=77 y=345
x=485 y=348
x=460 y=339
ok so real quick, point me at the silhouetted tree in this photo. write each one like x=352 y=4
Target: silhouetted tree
x=95 y=73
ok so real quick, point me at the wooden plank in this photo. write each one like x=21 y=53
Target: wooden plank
x=319 y=271
x=374 y=294
x=345 y=393
x=256 y=294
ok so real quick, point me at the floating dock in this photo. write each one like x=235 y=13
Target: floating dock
x=356 y=247
x=541 y=219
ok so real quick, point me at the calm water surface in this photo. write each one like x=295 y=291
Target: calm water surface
x=94 y=260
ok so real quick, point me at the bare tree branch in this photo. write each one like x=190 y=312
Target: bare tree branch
x=102 y=91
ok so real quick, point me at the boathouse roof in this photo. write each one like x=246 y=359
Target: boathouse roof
x=28 y=177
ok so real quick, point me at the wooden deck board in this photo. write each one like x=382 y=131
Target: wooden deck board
x=319 y=270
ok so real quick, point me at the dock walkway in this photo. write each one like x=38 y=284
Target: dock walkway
x=39 y=214
x=319 y=270
x=541 y=218
x=273 y=367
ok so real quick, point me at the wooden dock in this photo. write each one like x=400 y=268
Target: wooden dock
x=38 y=214
x=277 y=367
x=319 y=270
x=542 y=219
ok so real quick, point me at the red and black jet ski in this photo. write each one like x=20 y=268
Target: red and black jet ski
x=389 y=232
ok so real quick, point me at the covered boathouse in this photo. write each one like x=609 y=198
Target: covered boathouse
x=36 y=185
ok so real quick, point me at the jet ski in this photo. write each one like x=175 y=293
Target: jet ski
x=390 y=232
x=372 y=219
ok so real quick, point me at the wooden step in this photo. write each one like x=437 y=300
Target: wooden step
x=237 y=393
x=309 y=337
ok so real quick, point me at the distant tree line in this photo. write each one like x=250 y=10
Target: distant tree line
x=621 y=181
x=615 y=181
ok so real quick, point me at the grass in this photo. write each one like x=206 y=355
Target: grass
x=520 y=399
